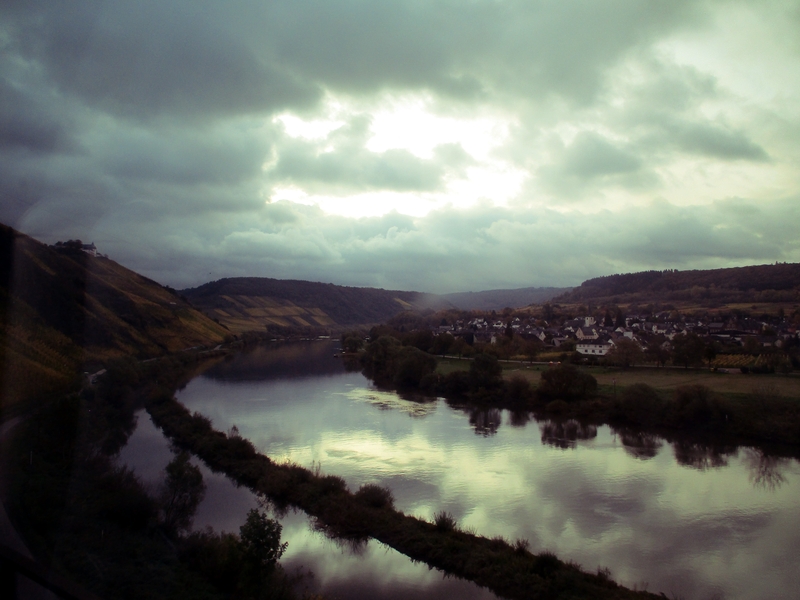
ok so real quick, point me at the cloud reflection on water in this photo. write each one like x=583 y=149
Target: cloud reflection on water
x=591 y=494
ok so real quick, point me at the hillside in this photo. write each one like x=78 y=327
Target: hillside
x=63 y=310
x=253 y=303
x=778 y=283
x=500 y=299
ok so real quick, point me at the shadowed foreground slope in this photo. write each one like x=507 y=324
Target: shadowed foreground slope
x=63 y=311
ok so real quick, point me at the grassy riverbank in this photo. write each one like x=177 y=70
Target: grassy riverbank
x=699 y=404
x=662 y=379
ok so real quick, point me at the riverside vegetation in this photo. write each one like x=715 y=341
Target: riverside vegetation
x=568 y=392
x=94 y=522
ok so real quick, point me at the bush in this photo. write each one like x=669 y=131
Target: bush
x=330 y=484
x=455 y=384
x=567 y=382
x=412 y=366
x=518 y=390
x=640 y=404
x=547 y=563
x=485 y=372
x=697 y=405
x=557 y=407
x=375 y=496
x=444 y=521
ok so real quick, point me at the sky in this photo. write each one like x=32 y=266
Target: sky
x=438 y=146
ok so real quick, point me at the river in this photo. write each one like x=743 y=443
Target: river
x=680 y=518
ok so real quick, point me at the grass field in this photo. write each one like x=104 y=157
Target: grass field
x=665 y=379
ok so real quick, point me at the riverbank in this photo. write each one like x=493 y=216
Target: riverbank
x=506 y=568
x=679 y=405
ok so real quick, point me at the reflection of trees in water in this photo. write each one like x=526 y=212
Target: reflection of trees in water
x=288 y=360
x=565 y=434
x=639 y=444
x=485 y=421
x=764 y=469
x=352 y=544
x=412 y=405
x=702 y=456
x=520 y=418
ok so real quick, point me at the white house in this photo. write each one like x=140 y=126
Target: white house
x=593 y=347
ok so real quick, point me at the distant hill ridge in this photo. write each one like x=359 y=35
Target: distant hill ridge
x=502 y=298
x=247 y=303
x=761 y=283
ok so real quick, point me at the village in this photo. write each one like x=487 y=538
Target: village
x=649 y=337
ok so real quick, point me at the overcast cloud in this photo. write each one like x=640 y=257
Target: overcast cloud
x=431 y=145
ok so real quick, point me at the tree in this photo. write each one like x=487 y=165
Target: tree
x=352 y=341
x=688 y=349
x=751 y=345
x=625 y=353
x=412 y=365
x=566 y=382
x=379 y=357
x=182 y=492
x=656 y=352
x=260 y=541
x=459 y=346
x=485 y=372
x=442 y=343
x=710 y=352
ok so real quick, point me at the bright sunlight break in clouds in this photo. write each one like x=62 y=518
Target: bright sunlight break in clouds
x=438 y=146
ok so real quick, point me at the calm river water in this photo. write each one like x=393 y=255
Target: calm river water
x=676 y=518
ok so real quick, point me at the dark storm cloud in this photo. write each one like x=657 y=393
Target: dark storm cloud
x=191 y=157
x=151 y=58
x=151 y=128
x=26 y=125
x=521 y=48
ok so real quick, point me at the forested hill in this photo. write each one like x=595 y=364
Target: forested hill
x=762 y=283
x=253 y=303
x=62 y=310
x=500 y=299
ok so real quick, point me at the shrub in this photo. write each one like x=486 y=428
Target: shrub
x=557 y=407
x=455 y=384
x=521 y=546
x=444 y=521
x=330 y=484
x=485 y=372
x=697 y=405
x=518 y=389
x=640 y=404
x=375 y=496
x=567 y=382
x=412 y=366
x=547 y=563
